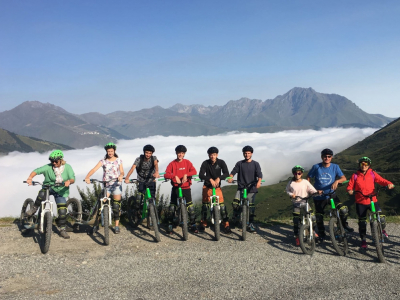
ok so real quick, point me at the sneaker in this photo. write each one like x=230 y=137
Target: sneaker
x=385 y=234
x=347 y=227
x=194 y=229
x=31 y=212
x=64 y=234
x=93 y=230
x=364 y=244
x=116 y=230
x=227 y=230
x=297 y=241
x=170 y=229
x=250 y=228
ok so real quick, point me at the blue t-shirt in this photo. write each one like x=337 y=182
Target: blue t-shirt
x=324 y=177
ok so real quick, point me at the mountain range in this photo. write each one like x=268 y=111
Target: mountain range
x=299 y=108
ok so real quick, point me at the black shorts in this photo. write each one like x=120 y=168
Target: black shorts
x=151 y=186
x=187 y=193
x=362 y=209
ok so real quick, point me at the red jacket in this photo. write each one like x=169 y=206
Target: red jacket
x=366 y=185
x=179 y=169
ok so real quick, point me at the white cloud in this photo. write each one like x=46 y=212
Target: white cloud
x=276 y=152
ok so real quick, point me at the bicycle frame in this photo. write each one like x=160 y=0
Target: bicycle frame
x=214 y=201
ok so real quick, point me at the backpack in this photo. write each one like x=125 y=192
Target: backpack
x=140 y=166
x=355 y=176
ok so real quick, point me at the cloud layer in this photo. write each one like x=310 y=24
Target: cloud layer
x=277 y=153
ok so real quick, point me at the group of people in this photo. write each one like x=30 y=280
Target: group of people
x=326 y=176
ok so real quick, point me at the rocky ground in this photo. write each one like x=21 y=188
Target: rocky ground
x=133 y=266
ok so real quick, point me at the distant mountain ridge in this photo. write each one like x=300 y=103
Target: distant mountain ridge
x=299 y=108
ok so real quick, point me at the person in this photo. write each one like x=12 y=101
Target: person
x=248 y=171
x=57 y=171
x=146 y=166
x=180 y=172
x=212 y=171
x=298 y=187
x=327 y=176
x=364 y=181
x=113 y=172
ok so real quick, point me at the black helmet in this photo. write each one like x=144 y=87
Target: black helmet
x=364 y=159
x=212 y=150
x=109 y=146
x=326 y=152
x=149 y=148
x=247 y=148
x=180 y=148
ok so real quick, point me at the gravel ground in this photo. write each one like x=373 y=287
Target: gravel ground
x=133 y=266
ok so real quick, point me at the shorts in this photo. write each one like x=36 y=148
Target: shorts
x=207 y=193
x=114 y=190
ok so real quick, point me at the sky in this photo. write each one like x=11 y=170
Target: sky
x=106 y=56
x=276 y=152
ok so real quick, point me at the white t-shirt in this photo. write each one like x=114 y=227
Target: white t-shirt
x=302 y=189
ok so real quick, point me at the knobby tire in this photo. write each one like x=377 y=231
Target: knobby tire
x=338 y=236
x=47 y=231
x=377 y=237
x=307 y=242
x=154 y=222
x=106 y=220
x=28 y=204
x=244 y=221
x=184 y=216
x=217 y=228
x=134 y=215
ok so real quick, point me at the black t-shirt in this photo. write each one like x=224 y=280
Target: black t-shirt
x=248 y=172
x=208 y=171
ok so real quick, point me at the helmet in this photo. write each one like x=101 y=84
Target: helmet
x=247 y=148
x=364 y=159
x=326 y=152
x=56 y=154
x=212 y=150
x=180 y=148
x=109 y=146
x=297 y=168
x=149 y=148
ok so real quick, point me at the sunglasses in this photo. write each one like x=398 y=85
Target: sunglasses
x=364 y=164
x=297 y=173
x=54 y=161
x=327 y=156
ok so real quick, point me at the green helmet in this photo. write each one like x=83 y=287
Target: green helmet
x=364 y=159
x=109 y=146
x=297 y=168
x=56 y=154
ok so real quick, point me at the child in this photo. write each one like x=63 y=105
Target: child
x=298 y=187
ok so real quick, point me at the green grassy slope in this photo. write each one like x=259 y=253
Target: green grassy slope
x=10 y=141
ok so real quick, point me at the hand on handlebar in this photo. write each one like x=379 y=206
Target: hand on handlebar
x=177 y=180
x=214 y=183
x=156 y=175
x=230 y=180
x=334 y=185
x=87 y=180
x=390 y=186
x=29 y=181
x=294 y=196
x=350 y=192
x=258 y=184
x=184 y=178
x=120 y=177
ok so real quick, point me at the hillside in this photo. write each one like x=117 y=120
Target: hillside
x=10 y=141
x=383 y=147
x=49 y=122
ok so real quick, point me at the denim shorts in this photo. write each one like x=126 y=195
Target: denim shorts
x=114 y=190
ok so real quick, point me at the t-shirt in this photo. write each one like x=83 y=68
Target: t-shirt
x=111 y=172
x=302 y=189
x=147 y=171
x=208 y=171
x=248 y=172
x=324 y=177
x=50 y=178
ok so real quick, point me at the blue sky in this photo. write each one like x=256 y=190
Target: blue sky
x=126 y=55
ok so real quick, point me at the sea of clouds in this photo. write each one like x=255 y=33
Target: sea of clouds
x=276 y=152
